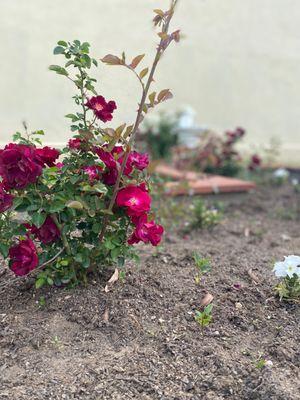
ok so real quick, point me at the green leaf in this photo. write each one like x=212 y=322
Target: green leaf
x=38 y=219
x=59 y=70
x=62 y=43
x=4 y=249
x=58 y=50
x=39 y=283
x=144 y=72
x=56 y=206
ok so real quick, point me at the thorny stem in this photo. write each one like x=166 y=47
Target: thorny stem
x=138 y=120
x=82 y=99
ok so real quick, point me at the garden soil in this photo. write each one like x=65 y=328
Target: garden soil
x=140 y=340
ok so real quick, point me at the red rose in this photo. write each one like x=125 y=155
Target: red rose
x=6 y=199
x=93 y=172
x=48 y=232
x=101 y=108
x=75 y=144
x=19 y=166
x=47 y=156
x=255 y=162
x=136 y=200
x=110 y=177
x=113 y=161
x=139 y=160
x=23 y=257
x=146 y=231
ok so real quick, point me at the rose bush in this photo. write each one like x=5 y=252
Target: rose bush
x=66 y=212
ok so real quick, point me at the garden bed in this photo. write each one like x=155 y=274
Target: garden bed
x=140 y=340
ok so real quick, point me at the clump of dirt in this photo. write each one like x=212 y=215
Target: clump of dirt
x=141 y=341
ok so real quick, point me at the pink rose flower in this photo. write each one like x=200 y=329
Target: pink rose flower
x=146 y=231
x=6 y=199
x=23 y=257
x=47 y=233
x=103 y=110
x=136 y=200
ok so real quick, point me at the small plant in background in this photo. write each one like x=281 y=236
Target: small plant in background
x=84 y=212
x=280 y=176
x=159 y=135
x=203 y=266
x=289 y=271
x=216 y=154
x=204 y=318
x=203 y=216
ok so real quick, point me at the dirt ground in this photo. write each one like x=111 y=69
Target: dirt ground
x=140 y=340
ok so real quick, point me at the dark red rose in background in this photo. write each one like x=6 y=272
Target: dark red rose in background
x=102 y=109
x=136 y=200
x=47 y=233
x=146 y=231
x=6 y=199
x=23 y=257
x=47 y=156
x=75 y=144
x=19 y=166
x=255 y=162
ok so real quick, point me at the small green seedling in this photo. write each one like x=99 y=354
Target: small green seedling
x=203 y=266
x=205 y=217
x=204 y=317
x=42 y=302
x=260 y=364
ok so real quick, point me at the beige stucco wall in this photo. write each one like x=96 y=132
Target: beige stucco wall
x=239 y=63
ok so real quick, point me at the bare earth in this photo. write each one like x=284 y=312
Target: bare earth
x=140 y=340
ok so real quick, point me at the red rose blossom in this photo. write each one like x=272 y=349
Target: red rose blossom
x=19 y=165
x=136 y=200
x=93 y=171
x=23 y=257
x=110 y=177
x=255 y=162
x=146 y=231
x=47 y=233
x=101 y=108
x=139 y=160
x=75 y=143
x=47 y=155
x=6 y=199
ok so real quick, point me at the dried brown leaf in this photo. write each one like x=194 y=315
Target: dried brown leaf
x=164 y=95
x=114 y=278
x=207 y=299
x=110 y=59
x=254 y=277
x=135 y=62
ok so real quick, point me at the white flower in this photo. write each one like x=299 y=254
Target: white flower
x=292 y=265
x=288 y=267
x=295 y=182
x=281 y=173
x=280 y=269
